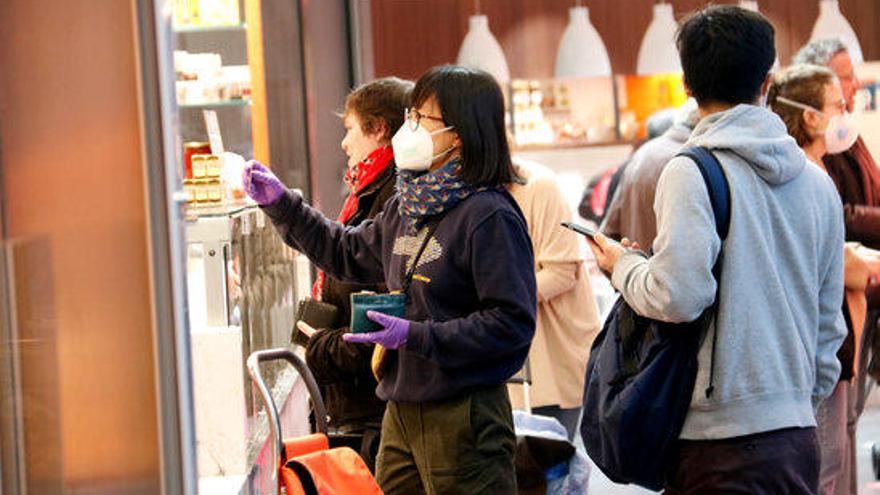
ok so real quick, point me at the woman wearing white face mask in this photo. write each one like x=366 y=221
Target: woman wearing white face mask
x=455 y=243
x=809 y=100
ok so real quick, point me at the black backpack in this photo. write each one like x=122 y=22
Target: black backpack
x=641 y=373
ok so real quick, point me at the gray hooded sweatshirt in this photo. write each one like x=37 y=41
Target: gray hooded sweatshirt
x=779 y=323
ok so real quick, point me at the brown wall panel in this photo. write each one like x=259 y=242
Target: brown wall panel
x=410 y=36
x=864 y=15
x=73 y=188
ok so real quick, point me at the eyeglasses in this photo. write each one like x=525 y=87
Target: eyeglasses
x=840 y=105
x=413 y=117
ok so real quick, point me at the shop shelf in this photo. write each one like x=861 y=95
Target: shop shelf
x=210 y=29
x=571 y=145
x=220 y=104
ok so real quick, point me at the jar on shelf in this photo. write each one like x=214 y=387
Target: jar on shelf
x=200 y=166
x=193 y=148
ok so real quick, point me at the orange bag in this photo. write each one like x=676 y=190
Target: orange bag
x=338 y=471
x=295 y=447
x=307 y=465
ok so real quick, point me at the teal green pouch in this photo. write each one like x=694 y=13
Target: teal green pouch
x=391 y=304
x=361 y=302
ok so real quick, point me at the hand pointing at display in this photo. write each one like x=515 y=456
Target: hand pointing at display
x=393 y=336
x=261 y=184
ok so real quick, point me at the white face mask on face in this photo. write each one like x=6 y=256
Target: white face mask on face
x=414 y=148
x=841 y=132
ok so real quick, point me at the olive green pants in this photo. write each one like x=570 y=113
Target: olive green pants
x=462 y=445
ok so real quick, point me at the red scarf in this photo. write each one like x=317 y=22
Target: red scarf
x=358 y=178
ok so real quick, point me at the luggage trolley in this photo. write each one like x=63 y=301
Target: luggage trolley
x=308 y=465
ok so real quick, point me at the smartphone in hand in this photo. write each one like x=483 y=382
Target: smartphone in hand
x=580 y=229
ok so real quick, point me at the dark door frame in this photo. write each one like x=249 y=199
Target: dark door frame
x=173 y=365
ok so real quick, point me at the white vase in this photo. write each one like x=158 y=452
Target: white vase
x=658 y=53
x=832 y=24
x=481 y=50
x=749 y=5
x=581 y=51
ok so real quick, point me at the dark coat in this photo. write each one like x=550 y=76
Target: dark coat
x=341 y=369
x=862 y=220
x=861 y=216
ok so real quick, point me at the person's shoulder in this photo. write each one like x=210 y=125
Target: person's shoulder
x=532 y=174
x=492 y=216
x=654 y=155
x=486 y=204
x=488 y=200
x=529 y=169
x=842 y=165
x=388 y=189
x=391 y=212
x=543 y=184
x=825 y=197
x=821 y=182
x=680 y=168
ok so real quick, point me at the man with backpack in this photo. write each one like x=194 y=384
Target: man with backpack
x=768 y=357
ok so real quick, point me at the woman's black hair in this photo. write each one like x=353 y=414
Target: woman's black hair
x=471 y=101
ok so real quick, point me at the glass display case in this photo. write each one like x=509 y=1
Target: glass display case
x=243 y=287
x=577 y=112
x=243 y=282
x=562 y=111
x=212 y=71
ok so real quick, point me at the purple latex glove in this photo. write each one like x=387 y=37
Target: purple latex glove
x=392 y=337
x=261 y=184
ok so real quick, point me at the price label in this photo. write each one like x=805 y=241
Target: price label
x=214 y=136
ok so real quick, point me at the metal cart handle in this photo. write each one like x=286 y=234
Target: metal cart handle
x=253 y=366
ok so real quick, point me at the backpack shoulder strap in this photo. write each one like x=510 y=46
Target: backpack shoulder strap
x=719 y=195
x=716 y=184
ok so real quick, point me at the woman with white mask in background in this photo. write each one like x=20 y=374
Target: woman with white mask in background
x=809 y=100
x=453 y=240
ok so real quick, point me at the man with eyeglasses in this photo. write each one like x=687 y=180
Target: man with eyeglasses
x=857 y=178
x=854 y=171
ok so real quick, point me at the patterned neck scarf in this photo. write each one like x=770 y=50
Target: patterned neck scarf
x=423 y=195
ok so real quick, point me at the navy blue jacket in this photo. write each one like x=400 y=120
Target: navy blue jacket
x=472 y=300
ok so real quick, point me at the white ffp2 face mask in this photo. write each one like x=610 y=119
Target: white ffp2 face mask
x=414 y=148
x=841 y=132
